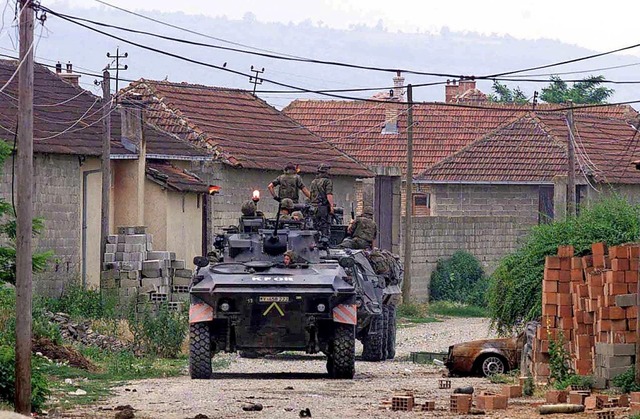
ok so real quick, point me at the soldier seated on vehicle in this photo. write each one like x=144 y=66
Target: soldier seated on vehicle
x=291 y=260
x=297 y=216
x=363 y=231
x=286 y=208
x=251 y=220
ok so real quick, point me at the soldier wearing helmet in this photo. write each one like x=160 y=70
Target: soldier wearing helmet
x=289 y=183
x=286 y=208
x=248 y=209
x=322 y=200
x=363 y=231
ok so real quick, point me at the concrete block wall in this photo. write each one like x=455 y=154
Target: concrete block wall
x=520 y=201
x=57 y=200
x=435 y=238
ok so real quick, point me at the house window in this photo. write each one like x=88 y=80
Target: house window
x=421 y=204
x=545 y=204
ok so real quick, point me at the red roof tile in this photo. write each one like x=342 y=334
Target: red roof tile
x=439 y=129
x=170 y=176
x=238 y=128
x=533 y=148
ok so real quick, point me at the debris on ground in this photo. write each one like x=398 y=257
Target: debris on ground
x=305 y=413
x=78 y=392
x=199 y=416
x=252 y=407
x=81 y=332
x=463 y=390
x=62 y=353
x=549 y=409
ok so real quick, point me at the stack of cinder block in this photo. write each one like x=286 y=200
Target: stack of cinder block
x=591 y=302
x=133 y=269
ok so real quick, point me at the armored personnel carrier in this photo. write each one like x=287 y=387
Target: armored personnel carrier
x=261 y=297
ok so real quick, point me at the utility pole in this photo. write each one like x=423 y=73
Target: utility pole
x=106 y=160
x=255 y=80
x=24 y=217
x=408 y=208
x=637 y=371
x=117 y=67
x=571 y=172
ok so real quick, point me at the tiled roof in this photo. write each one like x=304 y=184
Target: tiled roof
x=533 y=149
x=439 y=129
x=238 y=128
x=175 y=178
x=73 y=126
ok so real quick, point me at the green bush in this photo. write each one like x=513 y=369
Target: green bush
x=459 y=279
x=39 y=384
x=575 y=380
x=626 y=381
x=82 y=303
x=161 y=333
x=515 y=289
x=41 y=327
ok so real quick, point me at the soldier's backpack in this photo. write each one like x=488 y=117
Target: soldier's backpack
x=386 y=264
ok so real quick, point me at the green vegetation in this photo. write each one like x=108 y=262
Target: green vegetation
x=503 y=94
x=414 y=313
x=510 y=378
x=528 y=386
x=626 y=382
x=39 y=383
x=459 y=279
x=81 y=303
x=515 y=290
x=559 y=359
x=161 y=333
x=449 y=309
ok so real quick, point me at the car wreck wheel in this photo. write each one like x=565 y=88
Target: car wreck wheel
x=493 y=365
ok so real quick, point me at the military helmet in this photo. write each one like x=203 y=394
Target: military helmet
x=287 y=203
x=297 y=214
x=249 y=208
x=324 y=167
x=367 y=210
x=290 y=167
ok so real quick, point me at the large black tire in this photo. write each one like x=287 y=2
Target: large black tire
x=372 y=345
x=341 y=362
x=390 y=311
x=200 y=351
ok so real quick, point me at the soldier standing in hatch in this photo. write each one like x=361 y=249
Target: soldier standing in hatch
x=286 y=208
x=363 y=231
x=322 y=200
x=289 y=183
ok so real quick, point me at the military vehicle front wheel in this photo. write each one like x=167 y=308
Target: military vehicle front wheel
x=200 y=350
x=372 y=344
x=341 y=362
x=390 y=311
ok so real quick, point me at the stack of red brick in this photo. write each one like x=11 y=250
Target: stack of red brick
x=579 y=303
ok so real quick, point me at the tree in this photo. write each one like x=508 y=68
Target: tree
x=8 y=234
x=589 y=90
x=504 y=94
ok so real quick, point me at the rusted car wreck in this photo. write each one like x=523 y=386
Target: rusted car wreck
x=485 y=357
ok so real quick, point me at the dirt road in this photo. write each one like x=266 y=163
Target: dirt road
x=286 y=384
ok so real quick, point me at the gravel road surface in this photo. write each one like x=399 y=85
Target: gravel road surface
x=286 y=384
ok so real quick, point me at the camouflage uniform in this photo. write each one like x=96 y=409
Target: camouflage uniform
x=321 y=186
x=289 y=183
x=248 y=209
x=286 y=206
x=363 y=231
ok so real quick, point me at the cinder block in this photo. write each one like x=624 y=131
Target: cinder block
x=491 y=401
x=184 y=273
x=158 y=255
x=178 y=264
x=616 y=361
x=120 y=247
x=626 y=300
x=611 y=373
x=151 y=273
x=576 y=397
x=111 y=265
x=556 y=396
x=109 y=257
x=112 y=239
x=152 y=264
x=634 y=397
x=122 y=238
x=108 y=283
x=111 y=248
x=136 y=239
x=460 y=403
x=552 y=262
x=617 y=349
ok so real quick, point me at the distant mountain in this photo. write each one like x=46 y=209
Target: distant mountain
x=447 y=52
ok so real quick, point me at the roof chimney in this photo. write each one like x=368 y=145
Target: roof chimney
x=69 y=76
x=466 y=85
x=451 y=91
x=398 y=84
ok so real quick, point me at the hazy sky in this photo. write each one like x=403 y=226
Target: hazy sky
x=576 y=22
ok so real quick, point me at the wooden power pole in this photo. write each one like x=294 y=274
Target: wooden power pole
x=24 y=217
x=106 y=161
x=571 y=171
x=408 y=212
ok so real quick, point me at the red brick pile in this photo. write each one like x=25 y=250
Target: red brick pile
x=579 y=303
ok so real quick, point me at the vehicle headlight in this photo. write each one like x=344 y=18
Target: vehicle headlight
x=321 y=307
x=358 y=303
x=224 y=307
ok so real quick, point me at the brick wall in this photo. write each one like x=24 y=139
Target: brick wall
x=57 y=199
x=436 y=237
x=238 y=184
